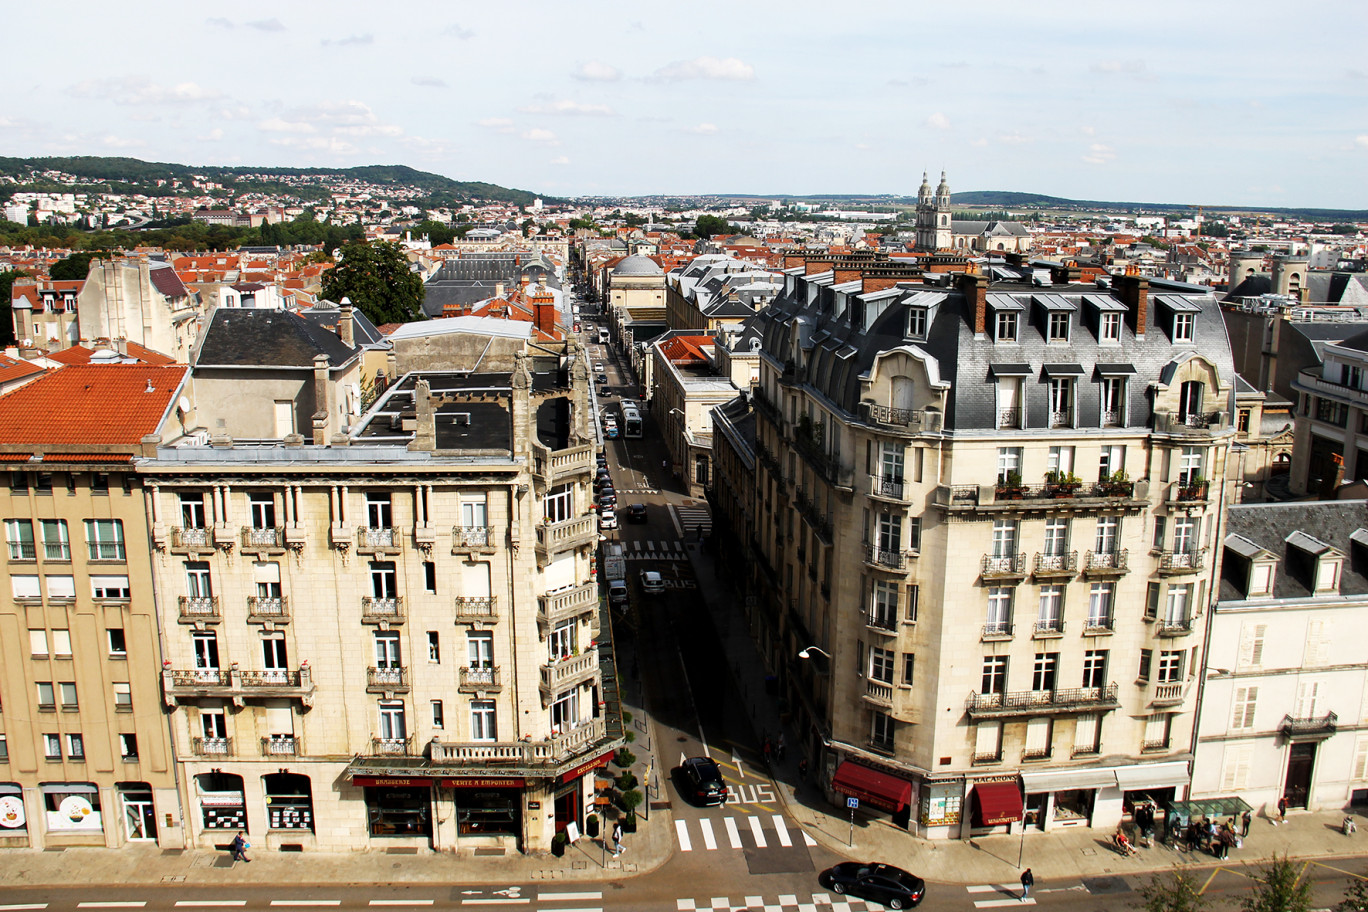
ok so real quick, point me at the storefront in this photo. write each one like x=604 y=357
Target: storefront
x=289 y=802
x=487 y=807
x=73 y=814
x=1068 y=797
x=139 y=811
x=997 y=805
x=13 y=818
x=397 y=807
x=222 y=802
x=875 y=788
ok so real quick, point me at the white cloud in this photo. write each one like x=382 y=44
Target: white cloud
x=118 y=142
x=1013 y=139
x=136 y=90
x=703 y=129
x=981 y=141
x=455 y=31
x=597 y=71
x=537 y=134
x=267 y=25
x=349 y=40
x=497 y=124
x=317 y=144
x=566 y=106
x=1135 y=68
x=560 y=160
x=1086 y=131
x=213 y=135
x=277 y=125
x=1361 y=140
x=430 y=82
x=219 y=22
x=727 y=68
x=938 y=121
x=1099 y=154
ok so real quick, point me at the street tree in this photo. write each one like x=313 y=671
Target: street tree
x=1355 y=897
x=1173 y=891
x=377 y=278
x=1278 y=887
x=76 y=266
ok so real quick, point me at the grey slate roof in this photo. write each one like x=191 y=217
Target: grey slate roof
x=1282 y=529
x=247 y=337
x=326 y=314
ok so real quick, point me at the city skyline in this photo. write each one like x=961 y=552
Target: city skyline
x=1162 y=104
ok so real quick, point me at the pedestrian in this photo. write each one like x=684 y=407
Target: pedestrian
x=1282 y=810
x=802 y=770
x=768 y=751
x=1027 y=881
x=618 y=847
x=1245 y=819
x=779 y=748
x=238 y=848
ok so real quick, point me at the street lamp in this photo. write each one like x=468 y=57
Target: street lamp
x=807 y=653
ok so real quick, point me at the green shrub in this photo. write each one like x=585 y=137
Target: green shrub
x=624 y=758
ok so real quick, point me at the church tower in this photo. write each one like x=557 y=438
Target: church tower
x=933 y=216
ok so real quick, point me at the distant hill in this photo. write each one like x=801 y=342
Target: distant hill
x=136 y=176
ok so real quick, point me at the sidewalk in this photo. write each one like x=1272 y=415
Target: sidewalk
x=1061 y=854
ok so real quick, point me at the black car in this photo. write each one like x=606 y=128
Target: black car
x=602 y=378
x=602 y=478
x=601 y=460
x=881 y=883
x=700 y=781
x=636 y=513
x=607 y=496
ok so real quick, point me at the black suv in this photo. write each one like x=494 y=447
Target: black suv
x=636 y=513
x=700 y=781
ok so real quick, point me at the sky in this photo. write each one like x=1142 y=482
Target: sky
x=1211 y=102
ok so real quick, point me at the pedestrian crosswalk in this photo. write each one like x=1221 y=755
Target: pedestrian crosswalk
x=998 y=895
x=752 y=833
x=688 y=520
x=784 y=902
x=654 y=550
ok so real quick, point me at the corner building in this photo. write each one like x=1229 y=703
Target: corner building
x=391 y=639
x=986 y=510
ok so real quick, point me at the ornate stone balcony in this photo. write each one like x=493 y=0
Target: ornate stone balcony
x=190 y=684
x=1044 y=702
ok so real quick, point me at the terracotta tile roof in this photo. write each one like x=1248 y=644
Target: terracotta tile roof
x=87 y=457
x=14 y=368
x=111 y=404
x=79 y=354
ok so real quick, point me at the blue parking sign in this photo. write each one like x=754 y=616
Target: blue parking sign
x=852 y=803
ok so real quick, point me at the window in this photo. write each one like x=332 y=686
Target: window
x=75 y=746
x=42 y=483
x=480 y=649
x=1242 y=418
x=1039 y=735
x=474 y=514
x=19 y=483
x=891 y=463
x=559 y=504
x=1252 y=644
x=1235 y=766
x=564 y=711
x=563 y=642
x=1009 y=402
x=25 y=587
x=118 y=646
x=1100 y=606
x=47 y=695
x=1157 y=730
x=916 y=322
x=206 y=650
x=890 y=534
x=988 y=741
x=1109 y=328
x=1190 y=402
x=1061 y=460
x=1004 y=538
x=66 y=690
x=1046 y=667
x=1185 y=533
x=1086 y=734
x=387 y=649
x=52 y=747
x=1113 y=460
x=434 y=647
x=379 y=510
x=1190 y=465
x=1360 y=767
x=384 y=580
x=1058 y=326
x=114 y=588
x=1160 y=531
x=1056 y=536
x=392 y=724
x=60 y=588
x=913 y=595
x=1176 y=610
x=38 y=644
x=4 y=749
x=883 y=611
x=104 y=538
x=273 y=654
x=1009 y=465
x=19 y=535
x=197 y=581
x=213 y=724
x=994 y=674
x=1242 y=708
x=1051 y=617
x=261 y=507
x=1113 y=401
x=61 y=643
x=880 y=665
x=1108 y=528
x=1006 y=326
x=429 y=576
x=881 y=730
x=56 y=545
x=1146 y=657
x=1152 y=601
x=1095 y=668
x=909 y=668
x=438 y=717
x=1183 y=324
x=1061 y=401
x=123 y=696
x=192 y=511
x=999 y=620
x=128 y=746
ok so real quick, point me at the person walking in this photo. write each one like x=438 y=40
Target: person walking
x=1027 y=881
x=238 y=848
x=618 y=847
x=779 y=748
x=1282 y=811
x=802 y=770
x=768 y=751
x=1245 y=818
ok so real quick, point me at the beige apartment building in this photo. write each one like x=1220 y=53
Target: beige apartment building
x=986 y=527
x=85 y=759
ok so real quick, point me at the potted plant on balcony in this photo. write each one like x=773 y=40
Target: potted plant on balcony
x=1009 y=487
x=1061 y=484
x=1117 y=484
x=1193 y=489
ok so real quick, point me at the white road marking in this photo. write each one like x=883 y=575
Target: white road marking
x=733 y=836
x=709 y=840
x=736 y=760
x=682 y=831
x=562 y=897
x=207 y=903
x=758 y=833
x=808 y=840
x=112 y=905
x=21 y=907
x=401 y=902
x=996 y=903
x=781 y=830
x=993 y=888
x=306 y=902
x=512 y=901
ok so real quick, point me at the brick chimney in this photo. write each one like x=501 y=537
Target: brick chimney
x=795 y=260
x=974 y=287
x=1132 y=289
x=544 y=313
x=344 y=325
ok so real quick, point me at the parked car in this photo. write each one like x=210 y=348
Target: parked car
x=617 y=593
x=601 y=460
x=636 y=513
x=607 y=519
x=881 y=883
x=598 y=367
x=602 y=478
x=652 y=582
x=602 y=378
x=607 y=497
x=610 y=431
x=700 y=781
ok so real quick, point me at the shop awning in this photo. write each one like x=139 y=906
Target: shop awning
x=1067 y=780
x=1152 y=775
x=872 y=787
x=998 y=802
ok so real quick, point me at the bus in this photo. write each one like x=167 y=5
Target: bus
x=631 y=419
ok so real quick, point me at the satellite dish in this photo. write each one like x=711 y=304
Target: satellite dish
x=183 y=404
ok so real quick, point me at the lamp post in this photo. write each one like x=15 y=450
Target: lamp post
x=807 y=652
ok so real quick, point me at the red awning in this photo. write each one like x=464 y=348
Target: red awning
x=998 y=802
x=872 y=787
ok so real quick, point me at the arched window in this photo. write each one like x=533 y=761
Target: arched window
x=1190 y=405
x=289 y=801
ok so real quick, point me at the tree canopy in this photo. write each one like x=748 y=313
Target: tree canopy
x=377 y=279
x=76 y=266
x=708 y=225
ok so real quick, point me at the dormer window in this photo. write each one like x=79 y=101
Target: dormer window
x=1006 y=326
x=1328 y=573
x=1261 y=575
x=916 y=323
x=1183 y=324
x=1109 y=328
x=1058 y=327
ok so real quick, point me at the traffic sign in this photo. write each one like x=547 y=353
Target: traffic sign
x=852 y=803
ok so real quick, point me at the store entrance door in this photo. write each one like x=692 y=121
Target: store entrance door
x=568 y=809
x=140 y=817
x=1301 y=760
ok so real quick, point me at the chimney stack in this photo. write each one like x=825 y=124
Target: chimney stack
x=974 y=287
x=344 y=324
x=1132 y=289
